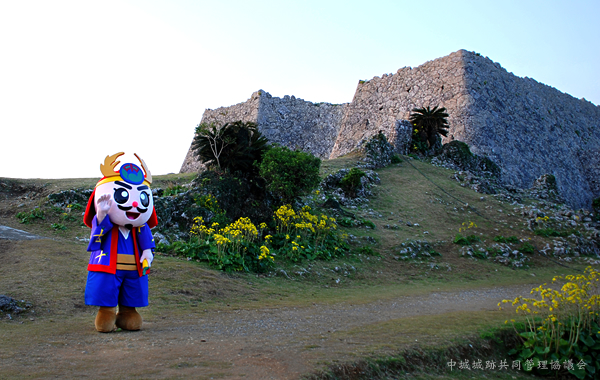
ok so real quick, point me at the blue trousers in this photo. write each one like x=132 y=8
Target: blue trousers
x=125 y=288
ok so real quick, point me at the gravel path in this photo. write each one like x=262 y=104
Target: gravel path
x=289 y=322
x=14 y=234
x=274 y=343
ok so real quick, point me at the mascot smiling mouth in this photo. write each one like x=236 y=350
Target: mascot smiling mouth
x=132 y=215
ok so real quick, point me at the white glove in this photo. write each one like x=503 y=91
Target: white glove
x=103 y=207
x=147 y=254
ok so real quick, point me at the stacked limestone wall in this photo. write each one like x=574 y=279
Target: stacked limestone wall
x=378 y=103
x=526 y=127
x=289 y=121
x=530 y=129
x=246 y=111
x=298 y=124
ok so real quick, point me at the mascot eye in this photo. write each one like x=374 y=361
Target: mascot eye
x=144 y=199
x=121 y=196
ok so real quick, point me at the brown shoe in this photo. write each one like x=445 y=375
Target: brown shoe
x=128 y=318
x=105 y=319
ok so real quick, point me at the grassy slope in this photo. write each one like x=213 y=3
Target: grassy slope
x=51 y=273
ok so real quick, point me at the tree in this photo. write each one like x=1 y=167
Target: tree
x=290 y=174
x=233 y=146
x=429 y=123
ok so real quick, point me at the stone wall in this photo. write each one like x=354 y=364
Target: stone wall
x=298 y=124
x=378 y=103
x=527 y=128
x=289 y=121
x=530 y=129
x=247 y=111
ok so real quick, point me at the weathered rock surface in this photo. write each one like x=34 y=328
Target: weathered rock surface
x=527 y=128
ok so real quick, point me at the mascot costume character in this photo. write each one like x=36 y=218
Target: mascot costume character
x=120 y=213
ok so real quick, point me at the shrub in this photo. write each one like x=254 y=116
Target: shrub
x=561 y=327
x=58 y=226
x=527 y=248
x=240 y=246
x=369 y=224
x=510 y=239
x=232 y=146
x=551 y=232
x=358 y=188
x=237 y=195
x=289 y=174
x=351 y=182
x=459 y=155
x=27 y=217
x=596 y=208
x=303 y=235
x=234 y=247
x=429 y=124
x=466 y=240
x=173 y=190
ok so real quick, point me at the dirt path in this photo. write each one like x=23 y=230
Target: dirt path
x=278 y=343
x=14 y=234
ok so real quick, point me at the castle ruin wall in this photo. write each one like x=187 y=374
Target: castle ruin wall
x=527 y=128
x=380 y=102
x=298 y=124
x=246 y=112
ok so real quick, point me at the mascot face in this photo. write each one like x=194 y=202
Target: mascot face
x=132 y=204
x=129 y=189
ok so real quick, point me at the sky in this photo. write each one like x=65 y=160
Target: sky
x=80 y=80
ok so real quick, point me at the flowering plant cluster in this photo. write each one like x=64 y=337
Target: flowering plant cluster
x=244 y=246
x=562 y=323
x=231 y=248
x=303 y=235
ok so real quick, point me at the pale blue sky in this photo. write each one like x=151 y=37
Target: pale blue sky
x=83 y=79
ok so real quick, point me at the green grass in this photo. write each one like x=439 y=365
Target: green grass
x=51 y=274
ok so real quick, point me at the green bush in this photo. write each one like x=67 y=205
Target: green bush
x=235 y=146
x=510 y=239
x=244 y=246
x=527 y=248
x=351 y=181
x=368 y=223
x=236 y=195
x=289 y=174
x=27 y=217
x=367 y=251
x=560 y=327
x=551 y=232
x=596 y=208
x=466 y=240
x=173 y=190
x=58 y=226
x=429 y=124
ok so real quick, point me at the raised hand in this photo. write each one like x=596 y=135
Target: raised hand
x=103 y=206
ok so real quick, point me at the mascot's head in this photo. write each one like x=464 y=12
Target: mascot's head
x=129 y=190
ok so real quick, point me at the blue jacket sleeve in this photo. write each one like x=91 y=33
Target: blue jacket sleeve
x=98 y=232
x=145 y=239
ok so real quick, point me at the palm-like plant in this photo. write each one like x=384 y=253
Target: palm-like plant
x=429 y=123
x=233 y=146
